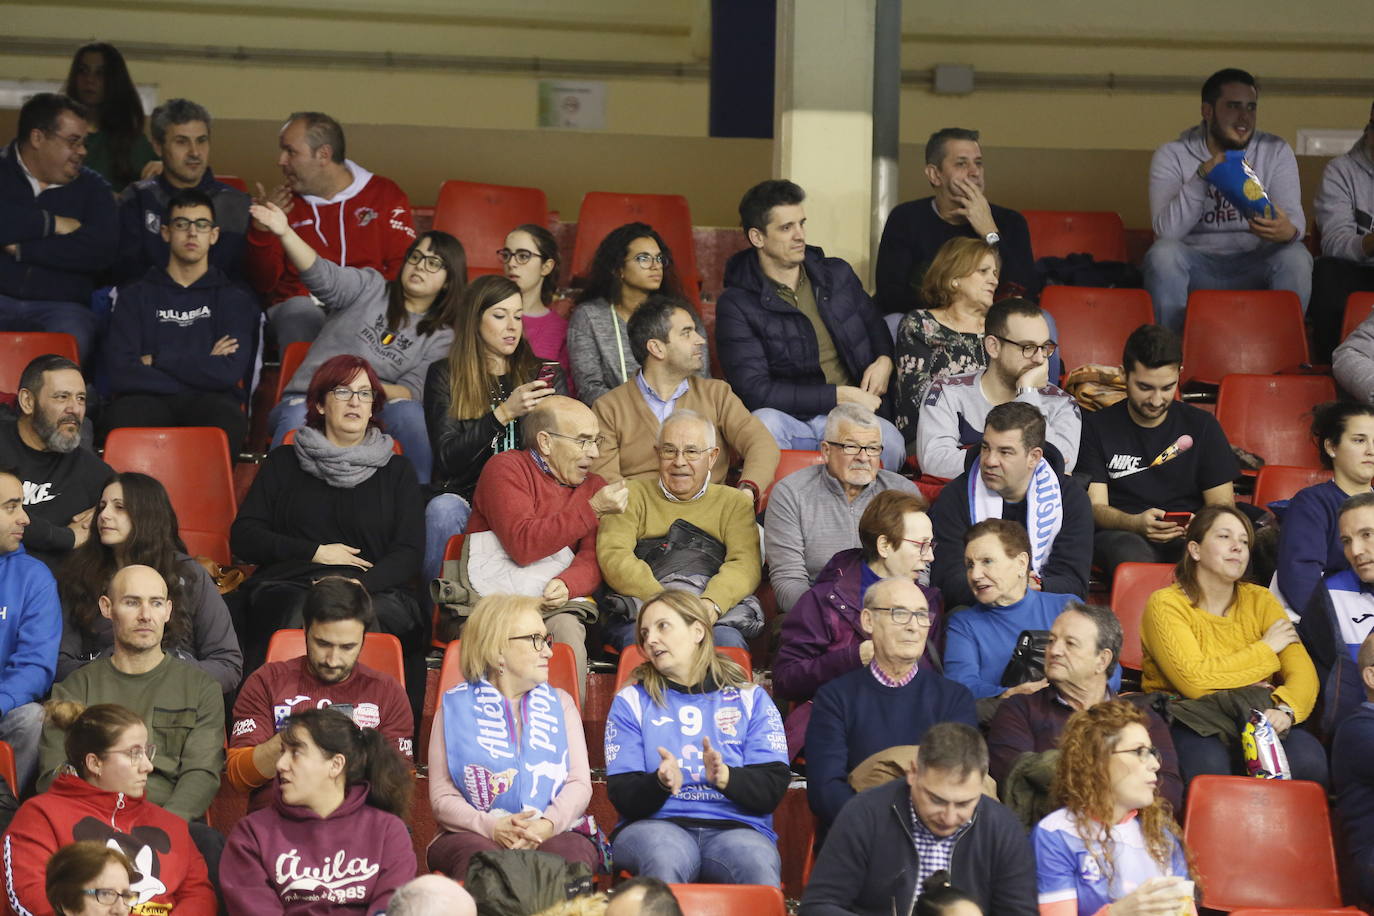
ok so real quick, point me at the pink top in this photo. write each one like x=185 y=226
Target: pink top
x=548 y=337
x=454 y=813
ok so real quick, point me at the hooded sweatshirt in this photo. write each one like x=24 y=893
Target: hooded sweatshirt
x=1345 y=204
x=367 y=224
x=1186 y=207
x=288 y=859
x=30 y=627
x=174 y=880
x=143 y=206
x=57 y=486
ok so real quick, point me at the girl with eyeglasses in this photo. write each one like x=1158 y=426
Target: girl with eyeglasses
x=116 y=146
x=631 y=263
x=90 y=879
x=507 y=755
x=98 y=795
x=399 y=326
x=1115 y=842
x=531 y=260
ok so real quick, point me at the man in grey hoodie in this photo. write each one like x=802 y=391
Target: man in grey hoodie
x=1344 y=207
x=1203 y=241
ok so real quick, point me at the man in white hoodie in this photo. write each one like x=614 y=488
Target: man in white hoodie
x=347 y=214
x=1344 y=207
x=1203 y=241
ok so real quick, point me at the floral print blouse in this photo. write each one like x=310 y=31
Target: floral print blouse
x=927 y=350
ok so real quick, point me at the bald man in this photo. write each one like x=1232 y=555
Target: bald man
x=431 y=895
x=535 y=515
x=643 y=896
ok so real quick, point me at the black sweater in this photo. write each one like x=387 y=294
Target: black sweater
x=288 y=514
x=57 y=487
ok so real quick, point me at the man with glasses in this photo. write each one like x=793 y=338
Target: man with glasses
x=1017 y=340
x=705 y=539
x=182 y=338
x=1352 y=776
x=58 y=229
x=338 y=613
x=814 y=513
x=1013 y=480
x=865 y=715
x=1083 y=652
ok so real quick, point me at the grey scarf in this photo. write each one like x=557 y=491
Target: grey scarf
x=343 y=467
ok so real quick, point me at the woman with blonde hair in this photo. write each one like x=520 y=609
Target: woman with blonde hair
x=1115 y=841
x=507 y=756
x=696 y=758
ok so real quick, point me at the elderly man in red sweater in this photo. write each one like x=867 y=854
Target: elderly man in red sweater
x=534 y=520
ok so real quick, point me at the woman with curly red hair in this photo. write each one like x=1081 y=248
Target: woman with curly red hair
x=1115 y=842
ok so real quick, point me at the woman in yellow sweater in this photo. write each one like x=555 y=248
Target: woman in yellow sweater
x=1210 y=631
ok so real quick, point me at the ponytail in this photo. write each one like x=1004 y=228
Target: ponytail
x=368 y=756
x=387 y=772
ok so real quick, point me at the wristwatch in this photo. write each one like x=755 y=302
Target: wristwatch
x=992 y=238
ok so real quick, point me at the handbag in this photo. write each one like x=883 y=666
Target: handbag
x=1027 y=658
x=685 y=550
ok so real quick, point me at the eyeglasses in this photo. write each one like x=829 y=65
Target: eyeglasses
x=670 y=452
x=136 y=753
x=106 y=896
x=904 y=615
x=519 y=256
x=1028 y=350
x=430 y=262
x=537 y=640
x=922 y=546
x=585 y=442
x=644 y=259
x=851 y=448
x=366 y=395
x=181 y=224
x=1143 y=752
x=73 y=143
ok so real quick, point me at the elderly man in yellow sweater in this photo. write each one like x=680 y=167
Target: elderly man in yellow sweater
x=679 y=530
x=664 y=338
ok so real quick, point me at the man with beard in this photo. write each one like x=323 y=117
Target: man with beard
x=1203 y=241
x=62 y=481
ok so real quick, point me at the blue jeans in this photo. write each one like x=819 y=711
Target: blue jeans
x=22 y=727
x=619 y=632
x=72 y=318
x=1174 y=268
x=687 y=855
x=404 y=420
x=807 y=434
x=1198 y=755
x=446 y=515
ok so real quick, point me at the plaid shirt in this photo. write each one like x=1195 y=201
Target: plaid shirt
x=933 y=853
x=887 y=681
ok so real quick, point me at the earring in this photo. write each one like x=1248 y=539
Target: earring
x=956 y=284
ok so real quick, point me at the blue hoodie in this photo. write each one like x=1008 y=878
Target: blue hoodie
x=30 y=628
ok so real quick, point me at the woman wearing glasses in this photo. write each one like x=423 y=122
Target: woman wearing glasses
x=531 y=259
x=631 y=263
x=88 y=878
x=507 y=756
x=475 y=399
x=1115 y=842
x=400 y=327
x=337 y=501
x=99 y=796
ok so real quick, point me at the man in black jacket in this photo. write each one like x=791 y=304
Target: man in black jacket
x=889 y=840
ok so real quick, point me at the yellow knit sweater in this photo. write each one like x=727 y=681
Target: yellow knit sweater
x=1192 y=652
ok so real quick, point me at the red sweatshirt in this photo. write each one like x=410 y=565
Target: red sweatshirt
x=535 y=516
x=367 y=224
x=157 y=842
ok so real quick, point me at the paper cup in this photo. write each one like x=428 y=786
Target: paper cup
x=1185 y=890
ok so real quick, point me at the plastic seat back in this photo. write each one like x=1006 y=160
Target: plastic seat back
x=562 y=669
x=482 y=215
x=7 y=767
x=291 y=360
x=791 y=461
x=192 y=462
x=1132 y=585
x=729 y=899
x=668 y=214
x=212 y=544
x=1281 y=481
x=1261 y=843
x=1060 y=233
x=1270 y=415
x=631 y=658
x=1094 y=322
x=1358 y=307
x=233 y=181
x=1234 y=331
x=381 y=651
x=19 y=348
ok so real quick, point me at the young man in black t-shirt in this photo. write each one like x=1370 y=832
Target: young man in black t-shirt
x=1137 y=465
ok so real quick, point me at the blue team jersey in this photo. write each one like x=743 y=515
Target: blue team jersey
x=1067 y=874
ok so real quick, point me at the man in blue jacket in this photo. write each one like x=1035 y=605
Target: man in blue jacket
x=58 y=230
x=181 y=339
x=30 y=627
x=1352 y=777
x=795 y=331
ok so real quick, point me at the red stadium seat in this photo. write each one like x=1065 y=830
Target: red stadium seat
x=1358 y=307
x=1270 y=415
x=668 y=214
x=1303 y=911
x=1132 y=586
x=7 y=768
x=210 y=544
x=381 y=651
x=192 y=462
x=1281 y=481
x=482 y=215
x=291 y=360
x=729 y=899
x=1261 y=843
x=1234 y=331
x=1094 y=322
x=233 y=181
x=18 y=349
x=792 y=460
x=290 y=437
x=1060 y=233
x=562 y=669
x=631 y=658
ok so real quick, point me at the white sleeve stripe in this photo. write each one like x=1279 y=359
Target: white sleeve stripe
x=1057 y=896
x=9 y=881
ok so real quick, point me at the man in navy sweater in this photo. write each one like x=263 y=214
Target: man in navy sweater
x=181 y=339
x=1352 y=777
x=888 y=703
x=58 y=230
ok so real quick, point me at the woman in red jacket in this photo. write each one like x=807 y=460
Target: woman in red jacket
x=99 y=796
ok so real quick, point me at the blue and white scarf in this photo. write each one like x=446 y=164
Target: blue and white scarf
x=484 y=760
x=1044 y=508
